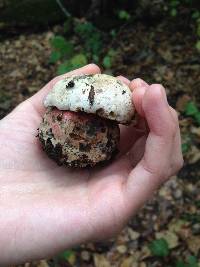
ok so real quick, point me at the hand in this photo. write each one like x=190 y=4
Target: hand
x=45 y=208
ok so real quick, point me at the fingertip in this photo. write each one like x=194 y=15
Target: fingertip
x=123 y=79
x=152 y=97
x=138 y=83
x=156 y=110
x=87 y=69
x=93 y=67
x=174 y=114
x=159 y=90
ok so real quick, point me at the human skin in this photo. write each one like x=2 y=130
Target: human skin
x=45 y=208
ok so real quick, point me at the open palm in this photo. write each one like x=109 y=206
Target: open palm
x=45 y=208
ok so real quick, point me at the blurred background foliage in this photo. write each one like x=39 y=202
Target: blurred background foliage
x=156 y=40
x=92 y=22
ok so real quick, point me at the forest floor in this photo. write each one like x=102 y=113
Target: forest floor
x=158 y=54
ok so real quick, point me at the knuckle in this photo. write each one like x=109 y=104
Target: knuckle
x=172 y=129
x=174 y=115
x=138 y=83
x=179 y=163
x=159 y=173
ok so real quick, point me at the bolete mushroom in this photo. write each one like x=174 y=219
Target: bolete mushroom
x=80 y=127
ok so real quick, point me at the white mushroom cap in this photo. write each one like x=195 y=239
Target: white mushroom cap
x=99 y=94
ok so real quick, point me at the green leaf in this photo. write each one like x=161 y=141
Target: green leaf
x=59 y=43
x=75 y=62
x=192 y=261
x=79 y=60
x=109 y=58
x=111 y=52
x=91 y=36
x=185 y=147
x=65 y=255
x=67 y=26
x=174 y=3
x=173 y=12
x=95 y=58
x=55 y=56
x=191 y=109
x=113 y=33
x=124 y=15
x=180 y=263
x=198 y=45
x=107 y=62
x=198 y=30
x=159 y=247
x=197 y=117
x=196 y=14
x=64 y=67
x=85 y=28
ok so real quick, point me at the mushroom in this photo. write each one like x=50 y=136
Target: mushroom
x=80 y=126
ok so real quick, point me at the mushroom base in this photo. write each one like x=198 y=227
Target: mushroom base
x=77 y=139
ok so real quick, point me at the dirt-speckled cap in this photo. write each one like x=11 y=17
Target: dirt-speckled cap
x=99 y=94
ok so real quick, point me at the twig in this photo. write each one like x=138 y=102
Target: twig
x=64 y=10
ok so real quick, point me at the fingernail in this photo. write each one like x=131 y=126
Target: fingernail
x=161 y=90
x=94 y=66
x=138 y=83
x=142 y=90
x=123 y=79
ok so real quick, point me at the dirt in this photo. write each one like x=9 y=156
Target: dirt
x=77 y=140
